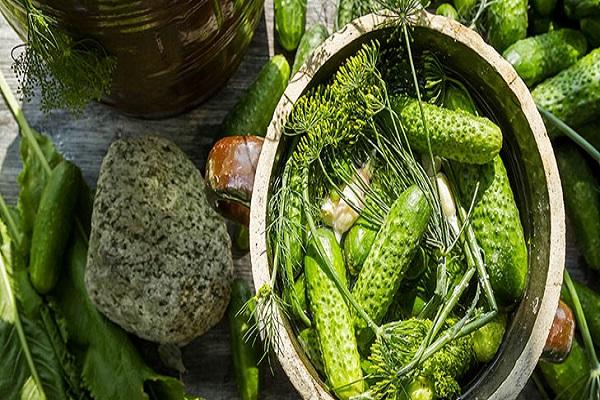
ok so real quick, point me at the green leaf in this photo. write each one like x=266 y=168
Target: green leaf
x=29 y=367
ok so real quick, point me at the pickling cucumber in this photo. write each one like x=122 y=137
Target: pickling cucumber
x=357 y=245
x=539 y=57
x=506 y=22
x=591 y=29
x=290 y=19
x=455 y=135
x=574 y=94
x=582 y=200
x=447 y=10
x=488 y=338
x=544 y=7
x=332 y=317
x=252 y=114
x=497 y=226
x=389 y=258
x=311 y=39
x=243 y=351
x=300 y=289
x=309 y=341
x=568 y=378
x=464 y=7
x=53 y=225
x=456 y=98
x=590 y=303
x=579 y=9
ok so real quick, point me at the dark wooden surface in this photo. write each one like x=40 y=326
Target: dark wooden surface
x=85 y=139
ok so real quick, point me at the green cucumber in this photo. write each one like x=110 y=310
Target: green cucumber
x=309 y=341
x=457 y=98
x=389 y=258
x=243 y=351
x=590 y=303
x=591 y=29
x=455 y=135
x=293 y=239
x=579 y=9
x=53 y=225
x=574 y=94
x=290 y=19
x=539 y=57
x=311 y=39
x=252 y=114
x=348 y=10
x=332 y=317
x=591 y=133
x=357 y=245
x=488 y=338
x=506 y=22
x=447 y=10
x=581 y=192
x=495 y=220
x=568 y=378
x=464 y=7
x=300 y=289
x=544 y=7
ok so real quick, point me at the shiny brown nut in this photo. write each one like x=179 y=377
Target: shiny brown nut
x=231 y=166
x=234 y=211
x=560 y=339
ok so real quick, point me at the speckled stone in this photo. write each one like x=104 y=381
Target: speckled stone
x=159 y=262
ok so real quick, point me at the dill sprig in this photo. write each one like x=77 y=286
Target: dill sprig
x=68 y=73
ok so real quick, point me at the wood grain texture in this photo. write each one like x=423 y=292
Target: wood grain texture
x=85 y=139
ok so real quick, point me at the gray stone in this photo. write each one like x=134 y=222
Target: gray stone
x=159 y=262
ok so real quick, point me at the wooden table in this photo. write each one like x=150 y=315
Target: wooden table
x=85 y=139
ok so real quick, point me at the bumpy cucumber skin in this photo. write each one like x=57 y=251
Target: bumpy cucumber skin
x=579 y=9
x=568 y=378
x=544 y=7
x=389 y=258
x=506 y=22
x=309 y=341
x=53 y=225
x=244 y=353
x=574 y=94
x=290 y=21
x=333 y=319
x=582 y=200
x=590 y=303
x=253 y=112
x=311 y=39
x=591 y=29
x=455 y=135
x=495 y=220
x=488 y=338
x=539 y=57
x=357 y=245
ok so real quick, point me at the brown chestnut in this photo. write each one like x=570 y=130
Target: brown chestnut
x=560 y=338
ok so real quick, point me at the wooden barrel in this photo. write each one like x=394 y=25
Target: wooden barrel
x=532 y=169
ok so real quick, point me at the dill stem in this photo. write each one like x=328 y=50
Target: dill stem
x=328 y=265
x=571 y=134
x=25 y=129
x=582 y=322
